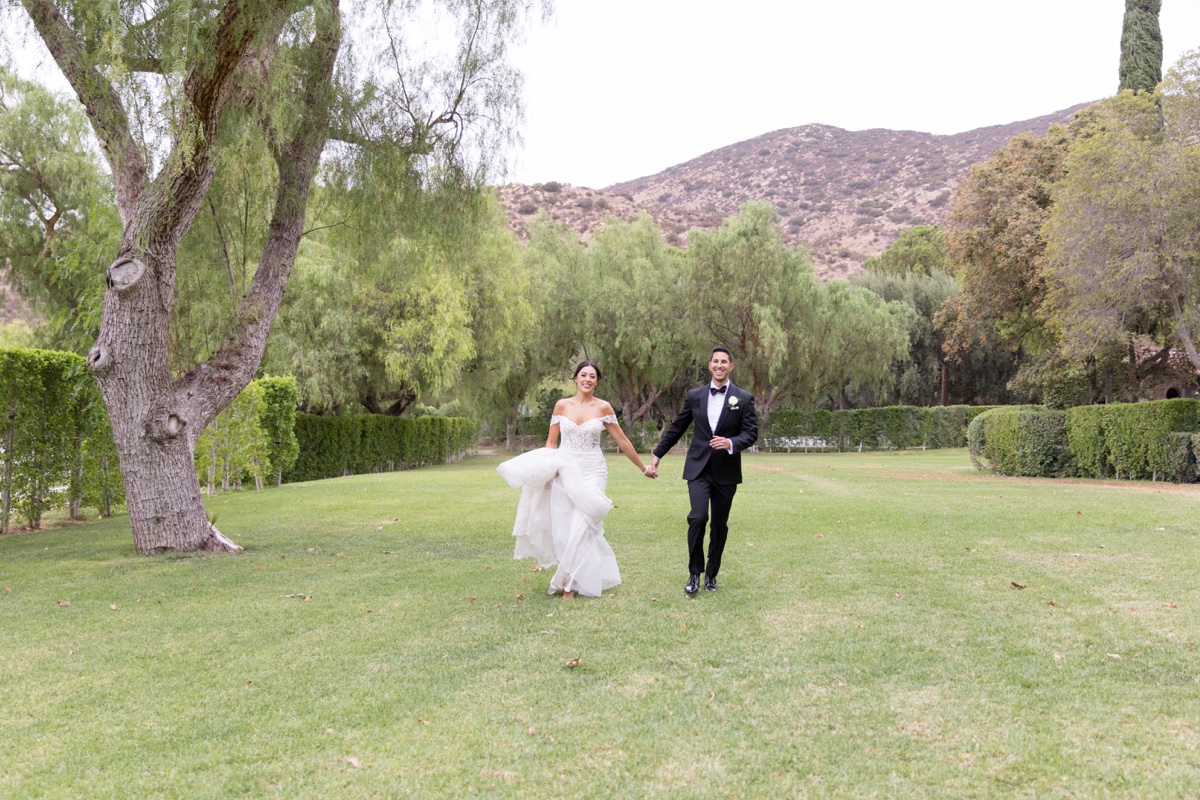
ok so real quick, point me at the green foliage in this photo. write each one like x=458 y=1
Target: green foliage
x=1127 y=440
x=331 y=447
x=235 y=444
x=51 y=417
x=886 y=428
x=58 y=225
x=1132 y=440
x=1021 y=440
x=795 y=339
x=920 y=249
x=380 y=321
x=1124 y=236
x=16 y=334
x=1141 y=46
x=278 y=421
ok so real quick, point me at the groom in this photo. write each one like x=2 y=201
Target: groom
x=723 y=425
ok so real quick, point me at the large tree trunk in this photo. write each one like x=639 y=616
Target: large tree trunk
x=156 y=421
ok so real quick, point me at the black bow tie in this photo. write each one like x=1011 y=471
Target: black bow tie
x=717 y=389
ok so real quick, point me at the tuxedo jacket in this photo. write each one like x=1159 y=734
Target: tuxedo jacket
x=737 y=422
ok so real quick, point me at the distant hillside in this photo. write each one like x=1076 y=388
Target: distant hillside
x=844 y=194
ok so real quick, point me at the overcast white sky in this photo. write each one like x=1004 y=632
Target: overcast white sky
x=619 y=89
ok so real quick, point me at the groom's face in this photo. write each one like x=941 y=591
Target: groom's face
x=720 y=366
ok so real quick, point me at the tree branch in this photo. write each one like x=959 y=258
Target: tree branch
x=214 y=384
x=99 y=98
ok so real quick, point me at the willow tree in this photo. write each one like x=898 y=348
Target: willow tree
x=164 y=84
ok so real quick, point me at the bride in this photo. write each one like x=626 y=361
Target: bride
x=560 y=517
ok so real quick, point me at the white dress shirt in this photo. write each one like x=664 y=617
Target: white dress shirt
x=715 y=402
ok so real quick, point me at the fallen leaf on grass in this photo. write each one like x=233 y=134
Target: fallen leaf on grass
x=422 y=722
x=301 y=596
x=537 y=568
x=1171 y=604
x=749 y=544
x=489 y=569
x=897 y=594
x=1080 y=513
x=1160 y=529
x=1016 y=585
x=354 y=762
x=820 y=536
x=371 y=611
x=520 y=597
x=653 y=599
x=573 y=662
x=471 y=599
x=1059 y=656
x=1053 y=603
x=1113 y=655
x=249 y=683
x=64 y=602
x=113 y=606
x=7 y=589
x=310 y=549
x=712 y=695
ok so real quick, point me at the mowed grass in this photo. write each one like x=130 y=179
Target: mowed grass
x=377 y=640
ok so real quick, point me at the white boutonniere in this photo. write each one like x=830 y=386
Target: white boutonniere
x=732 y=402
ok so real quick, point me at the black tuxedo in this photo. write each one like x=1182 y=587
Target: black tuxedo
x=712 y=475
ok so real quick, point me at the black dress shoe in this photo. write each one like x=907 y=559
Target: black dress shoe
x=710 y=583
x=693 y=584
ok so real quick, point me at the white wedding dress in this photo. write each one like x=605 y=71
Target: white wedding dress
x=560 y=517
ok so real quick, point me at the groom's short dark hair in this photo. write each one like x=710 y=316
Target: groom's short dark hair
x=719 y=349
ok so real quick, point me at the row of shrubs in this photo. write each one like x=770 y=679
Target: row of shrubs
x=1157 y=440
x=885 y=428
x=56 y=446
x=334 y=446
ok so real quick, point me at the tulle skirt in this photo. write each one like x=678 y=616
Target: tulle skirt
x=560 y=517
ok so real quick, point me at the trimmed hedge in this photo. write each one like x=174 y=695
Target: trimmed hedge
x=1133 y=440
x=1021 y=440
x=885 y=428
x=54 y=433
x=331 y=447
x=1152 y=440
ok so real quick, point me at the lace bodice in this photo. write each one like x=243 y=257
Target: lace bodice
x=581 y=437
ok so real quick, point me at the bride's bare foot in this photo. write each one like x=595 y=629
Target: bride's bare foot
x=568 y=595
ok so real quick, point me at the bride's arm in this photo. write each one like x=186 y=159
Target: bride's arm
x=623 y=443
x=552 y=435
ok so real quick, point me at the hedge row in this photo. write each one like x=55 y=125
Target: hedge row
x=334 y=446
x=56 y=446
x=886 y=428
x=1154 y=440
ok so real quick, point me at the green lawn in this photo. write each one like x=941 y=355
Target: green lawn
x=377 y=640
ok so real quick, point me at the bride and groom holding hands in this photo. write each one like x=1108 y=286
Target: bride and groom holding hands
x=560 y=516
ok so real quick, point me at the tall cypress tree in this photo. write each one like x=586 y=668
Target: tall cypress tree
x=1141 y=46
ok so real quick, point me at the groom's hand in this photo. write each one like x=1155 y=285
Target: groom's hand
x=651 y=471
x=719 y=443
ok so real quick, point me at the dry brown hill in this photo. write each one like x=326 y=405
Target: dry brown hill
x=844 y=194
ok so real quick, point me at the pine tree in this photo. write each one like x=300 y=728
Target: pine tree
x=1141 y=46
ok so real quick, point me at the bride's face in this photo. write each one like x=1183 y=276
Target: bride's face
x=586 y=380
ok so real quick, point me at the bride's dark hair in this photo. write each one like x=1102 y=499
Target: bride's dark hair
x=591 y=364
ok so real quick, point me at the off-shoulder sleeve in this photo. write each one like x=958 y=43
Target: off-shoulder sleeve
x=609 y=419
